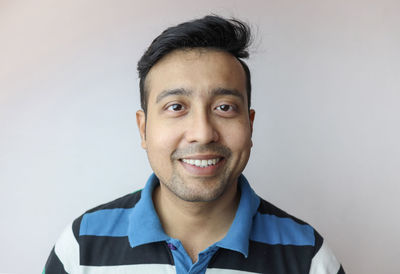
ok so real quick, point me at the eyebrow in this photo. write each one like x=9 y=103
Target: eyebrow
x=185 y=92
x=171 y=92
x=223 y=91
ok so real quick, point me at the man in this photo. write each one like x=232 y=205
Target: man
x=197 y=212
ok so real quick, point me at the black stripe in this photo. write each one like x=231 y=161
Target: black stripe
x=318 y=242
x=76 y=225
x=341 y=270
x=265 y=258
x=127 y=201
x=54 y=265
x=107 y=251
x=268 y=208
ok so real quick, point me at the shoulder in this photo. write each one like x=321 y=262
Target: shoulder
x=281 y=227
x=266 y=207
x=106 y=218
x=297 y=242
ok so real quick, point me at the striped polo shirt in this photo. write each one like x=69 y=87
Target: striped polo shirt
x=126 y=236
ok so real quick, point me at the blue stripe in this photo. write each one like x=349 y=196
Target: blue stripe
x=270 y=229
x=106 y=222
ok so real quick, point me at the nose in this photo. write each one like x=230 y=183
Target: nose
x=201 y=128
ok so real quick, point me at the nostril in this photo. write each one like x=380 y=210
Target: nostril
x=201 y=132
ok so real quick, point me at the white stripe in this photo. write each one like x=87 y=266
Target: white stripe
x=226 y=271
x=128 y=269
x=67 y=250
x=324 y=262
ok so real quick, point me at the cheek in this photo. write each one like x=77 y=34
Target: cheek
x=238 y=137
x=241 y=143
x=161 y=139
x=159 y=149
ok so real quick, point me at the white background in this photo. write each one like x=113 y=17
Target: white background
x=326 y=89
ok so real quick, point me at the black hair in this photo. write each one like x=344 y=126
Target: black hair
x=229 y=35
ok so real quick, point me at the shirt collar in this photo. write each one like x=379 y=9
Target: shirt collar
x=145 y=226
x=238 y=235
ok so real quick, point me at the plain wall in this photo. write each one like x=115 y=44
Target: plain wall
x=326 y=90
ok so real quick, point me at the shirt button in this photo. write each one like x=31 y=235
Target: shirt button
x=171 y=246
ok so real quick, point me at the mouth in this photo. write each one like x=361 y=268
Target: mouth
x=203 y=163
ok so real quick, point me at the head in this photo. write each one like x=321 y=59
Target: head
x=196 y=124
x=212 y=32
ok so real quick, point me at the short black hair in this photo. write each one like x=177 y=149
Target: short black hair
x=214 y=32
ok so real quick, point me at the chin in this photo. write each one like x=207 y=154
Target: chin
x=198 y=191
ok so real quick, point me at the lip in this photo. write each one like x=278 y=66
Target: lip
x=208 y=171
x=202 y=157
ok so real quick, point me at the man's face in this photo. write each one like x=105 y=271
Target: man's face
x=198 y=129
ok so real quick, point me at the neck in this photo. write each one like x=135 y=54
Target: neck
x=196 y=224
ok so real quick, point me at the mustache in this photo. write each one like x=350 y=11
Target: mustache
x=213 y=148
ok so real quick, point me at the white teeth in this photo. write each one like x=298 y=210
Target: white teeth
x=201 y=163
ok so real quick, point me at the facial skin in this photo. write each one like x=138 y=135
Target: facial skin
x=197 y=110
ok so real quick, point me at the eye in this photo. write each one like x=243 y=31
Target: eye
x=175 y=107
x=225 y=107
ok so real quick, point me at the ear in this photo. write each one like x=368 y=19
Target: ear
x=252 y=115
x=141 y=123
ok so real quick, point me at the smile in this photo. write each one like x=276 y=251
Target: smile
x=201 y=163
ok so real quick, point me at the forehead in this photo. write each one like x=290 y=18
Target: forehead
x=197 y=70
